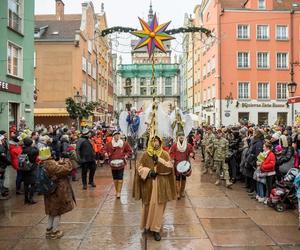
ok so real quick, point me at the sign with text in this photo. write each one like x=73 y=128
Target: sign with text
x=263 y=105
x=11 y=88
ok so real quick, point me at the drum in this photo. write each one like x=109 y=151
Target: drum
x=184 y=168
x=118 y=163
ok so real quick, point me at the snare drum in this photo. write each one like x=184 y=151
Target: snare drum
x=118 y=163
x=184 y=168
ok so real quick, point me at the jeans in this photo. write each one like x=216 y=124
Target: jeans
x=19 y=180
x=260 y=189
x=91 y=166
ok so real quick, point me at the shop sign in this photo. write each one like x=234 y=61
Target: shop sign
x=8 y=87
x=263 y=105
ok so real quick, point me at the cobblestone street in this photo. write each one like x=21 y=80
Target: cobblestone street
x=209 y=217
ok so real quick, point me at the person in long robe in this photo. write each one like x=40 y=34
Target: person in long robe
x=154 y=184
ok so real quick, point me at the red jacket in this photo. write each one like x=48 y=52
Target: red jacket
x=117 y=153
x=15 y=150
x=268 y=164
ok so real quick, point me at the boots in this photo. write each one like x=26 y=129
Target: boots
x=178 y=189
x=228 y=183
x=182 y=188
x=217 y=183
x=119 y=188
x=210 y=171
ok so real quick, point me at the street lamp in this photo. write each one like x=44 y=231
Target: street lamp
x=292 y=86
x=78 y=98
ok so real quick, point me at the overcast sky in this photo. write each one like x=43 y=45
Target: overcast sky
x=125 y=12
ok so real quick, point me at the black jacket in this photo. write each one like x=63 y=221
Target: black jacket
x=64 y=148
x=4 y=160
x=84 y=150
x=30 y=176
x=285 y=156
x=256 y=147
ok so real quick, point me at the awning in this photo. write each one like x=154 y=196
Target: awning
x=50 y=112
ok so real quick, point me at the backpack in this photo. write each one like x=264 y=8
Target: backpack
x=44 y=185
x=24 y=163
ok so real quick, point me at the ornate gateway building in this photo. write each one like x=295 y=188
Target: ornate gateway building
x=134 y=86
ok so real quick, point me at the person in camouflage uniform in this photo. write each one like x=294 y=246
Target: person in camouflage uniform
x=220 y=155
x=209 y=151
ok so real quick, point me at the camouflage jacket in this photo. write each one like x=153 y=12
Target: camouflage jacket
x=220 y=149
x=209 y=143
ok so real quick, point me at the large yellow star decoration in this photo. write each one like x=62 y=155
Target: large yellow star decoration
x=152 y=35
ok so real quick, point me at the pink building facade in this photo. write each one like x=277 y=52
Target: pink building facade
x=246 y=67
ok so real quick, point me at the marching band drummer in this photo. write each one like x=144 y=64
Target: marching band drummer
x=118 y=151
x=179 y=152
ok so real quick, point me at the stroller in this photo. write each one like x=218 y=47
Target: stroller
x=283 y=196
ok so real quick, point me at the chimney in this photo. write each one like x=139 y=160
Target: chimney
x=59 y=10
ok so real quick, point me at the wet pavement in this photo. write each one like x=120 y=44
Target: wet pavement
x=209 y=217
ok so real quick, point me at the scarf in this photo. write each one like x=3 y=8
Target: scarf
x=182 y=147
x=152 y=151
x=118 y=144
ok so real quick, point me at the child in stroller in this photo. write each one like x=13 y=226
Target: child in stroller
x=283 y=196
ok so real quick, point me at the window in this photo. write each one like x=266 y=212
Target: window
x=128 y=86
x=262 y=32
x=208 y=94
x=168 y=86
x=90 y=46
x=83 y=88
x=94 y=98
x=243 y=91
x=89 y=68
x=143 y=87
x=282 y=60
x=263 y=91
x=282 y=32
x=262 y=4
x=208 y=67
x=89 y=93
x=84 y=64
x=243 y=60
x=282 y=91
x=263 y=60
x=14 y=60
x=243 y=31
x=94 y=73
x=204 y=71
x=243 y=117
x=213 y=64
x=263 y=118
x=213 y=91
x=282 y=118
x=15 y=14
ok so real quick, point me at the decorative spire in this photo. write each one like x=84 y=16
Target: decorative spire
x=150 y=15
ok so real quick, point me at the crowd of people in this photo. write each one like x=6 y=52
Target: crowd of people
x=265 y=159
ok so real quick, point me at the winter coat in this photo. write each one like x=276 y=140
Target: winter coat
x=297 y=185
x=62 y=199
x=256 y=147
x=64 y=148
x=286 y=155
x=29 y=177
x=268 y=164
x=14 y=150
x=84 y=150
x=4 y=160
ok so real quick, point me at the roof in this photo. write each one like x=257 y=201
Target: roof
x=53 y=17
x=57 y=30
x=286 y=4
x=233 y=4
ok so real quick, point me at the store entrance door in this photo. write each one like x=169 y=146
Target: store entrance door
x=13 y=115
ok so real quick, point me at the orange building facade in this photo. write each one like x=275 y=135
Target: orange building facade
x=69 y=60
x=246 y=63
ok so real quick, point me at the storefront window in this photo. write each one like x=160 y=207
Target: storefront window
x=263 y=118
x=281 y=118
x=244 y=118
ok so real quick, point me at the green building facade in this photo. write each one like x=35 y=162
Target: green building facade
x=135 y=88
x=16 y=62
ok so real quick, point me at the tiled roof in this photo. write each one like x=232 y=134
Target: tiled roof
x=233 y=4
x=58 y=30
x=286 y=4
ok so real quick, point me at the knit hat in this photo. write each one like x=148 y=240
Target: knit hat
x=116 y=133
x=278 y=149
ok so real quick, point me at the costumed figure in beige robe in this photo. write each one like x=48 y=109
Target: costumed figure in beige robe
x=154 y=184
